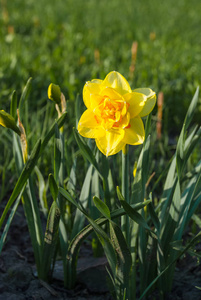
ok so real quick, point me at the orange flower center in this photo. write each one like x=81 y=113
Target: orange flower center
x=112 y=113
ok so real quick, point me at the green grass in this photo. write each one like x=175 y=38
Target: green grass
x=56 y=42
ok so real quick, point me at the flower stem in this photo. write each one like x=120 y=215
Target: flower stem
x=125 y=188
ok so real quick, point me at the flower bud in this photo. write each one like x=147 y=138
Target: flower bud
x=6 y=120
x=54 y=93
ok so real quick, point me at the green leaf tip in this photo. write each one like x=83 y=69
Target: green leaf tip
x=102 y=207
x=53 y=187
x=54 y=93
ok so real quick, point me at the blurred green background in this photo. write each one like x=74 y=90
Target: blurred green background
x=69 y=42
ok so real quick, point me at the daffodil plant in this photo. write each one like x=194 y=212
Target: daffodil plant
x=113 y=119
x=141 y=237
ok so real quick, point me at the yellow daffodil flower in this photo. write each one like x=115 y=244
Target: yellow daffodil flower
x=114 y=111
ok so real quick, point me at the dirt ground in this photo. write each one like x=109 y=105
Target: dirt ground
x=18 y=278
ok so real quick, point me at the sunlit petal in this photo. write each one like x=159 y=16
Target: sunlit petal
x=111 y=142
x=150 y=102
x=135 y=134
x=136 y=103
x=146 y=91
x=88 y=119
x=91 y=133
x=118 y=82
x=89 y=126
x=149 y=105
x=99 y=81
x=91 y=87
x=111 y=93
x=125 y=121
x=95 y=101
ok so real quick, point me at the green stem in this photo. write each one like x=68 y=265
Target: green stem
x=106 y=193
x=125 y=189
x=64 y=237
x=105 y=173
x=62 y=170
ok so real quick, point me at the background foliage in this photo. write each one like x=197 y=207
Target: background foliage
x=58 y=42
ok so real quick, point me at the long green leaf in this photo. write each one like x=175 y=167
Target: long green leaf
x=60 y=122
x=196 y=239
x=102 y=207
x=181 y=140
x=50 y=241
x=77 y=109
x=13 y=105
x=17 y=152
x=84 y=200
x=25 y=94
x=42 y=191
x=57 y=153
x=26 y=172
x=8 y=223
x=191 y=143
x=32 y=213
x=69 y=197
x=114 y=214
x=106 y=243
x=135 y=216
x=168 y=191
x=154 y=216
x=170 y=223
x=124 y=261
x=189 y=195
x=86 y=151
x=53 y=187
x=192 y=109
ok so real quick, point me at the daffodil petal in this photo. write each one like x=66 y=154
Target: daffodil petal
x=146 y=91
x=88 y=119
x=135 y=134
x=117 y=81
x=111 y=142
x=95 y=101
x=99 y=81
x=136 y=103
x=111 y=93
x=148 y=107
x=149 y=103
x=91 y=87
x=89 y=125
x=91 y=133
x=125 y=121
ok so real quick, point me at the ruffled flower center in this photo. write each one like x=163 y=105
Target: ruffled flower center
x=112 y=113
